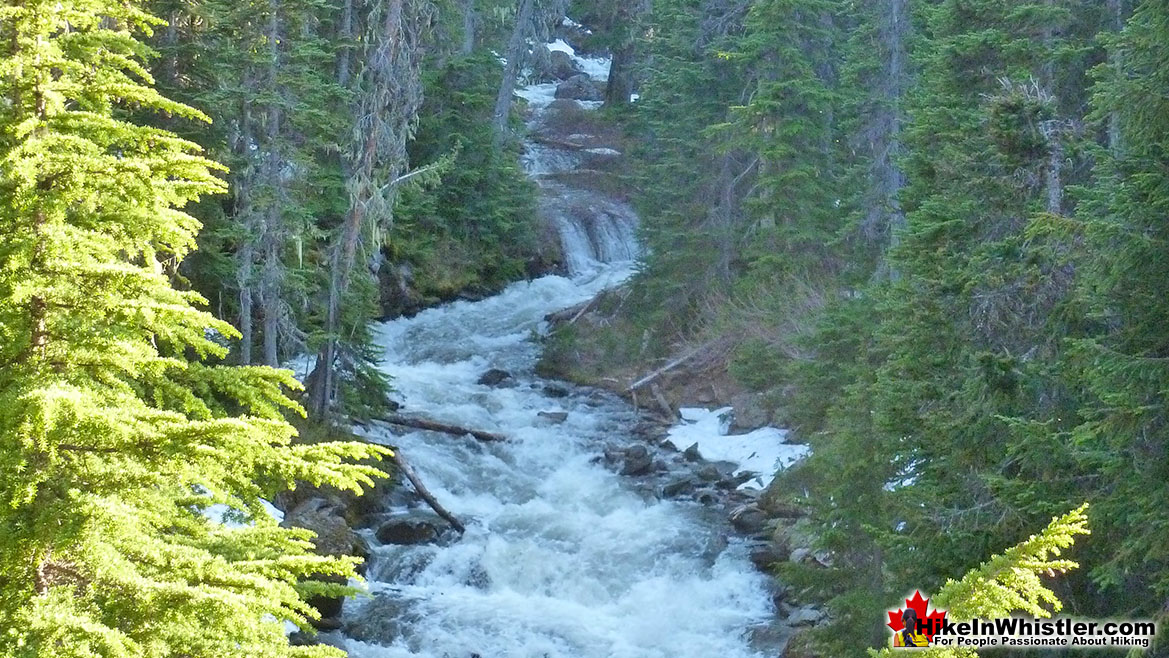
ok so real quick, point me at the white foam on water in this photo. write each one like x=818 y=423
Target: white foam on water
x=561 y=557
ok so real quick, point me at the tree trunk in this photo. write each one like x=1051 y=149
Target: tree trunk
x=469 y=21
x=1118 y=10
x=442 y=428
x=345 y=57
x=243 y=278
x=625 y=22
x=273 y=233
x=424 y=493
x=620 y=87
x=272 y=304
x=515 y=53
x=387 y=106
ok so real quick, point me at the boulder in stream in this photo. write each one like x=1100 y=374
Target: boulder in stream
x=678 y=487
x=414 y=528
x=333 y=537
x=554 y=416
x=638 y=461
x=380 y=621
x=494 y=377
x=579 y=88
x=560 y=66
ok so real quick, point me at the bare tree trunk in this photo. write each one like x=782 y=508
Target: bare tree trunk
x=273 y=234
x=345 y=57
x=246 y=255
x=246 y=259
x=386 y=110
x=1052 y=130
x=424 y=493
x=894 y=178
x=171 y=40
x=887 y=218
x=1118 y=10
x=626 y=21
x=516 y=48
x=272 y=304
x=620 y=87
x=469 y=21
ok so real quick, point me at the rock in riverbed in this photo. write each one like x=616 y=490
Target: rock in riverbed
x=409 y=530
x=748 y=519
x=638 y=461
x=495 y=377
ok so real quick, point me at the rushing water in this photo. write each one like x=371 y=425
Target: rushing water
x=562 y=558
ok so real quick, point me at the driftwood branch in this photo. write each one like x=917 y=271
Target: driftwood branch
x=571 y=314
x=434 y=426
x=424 y=493
x=653 y=376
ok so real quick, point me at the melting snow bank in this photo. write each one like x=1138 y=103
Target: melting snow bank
x=762 y=451
x=596 y=67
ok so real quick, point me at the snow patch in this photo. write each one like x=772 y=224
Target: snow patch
x=762 y=451
x=538 y=96
x=562 y=46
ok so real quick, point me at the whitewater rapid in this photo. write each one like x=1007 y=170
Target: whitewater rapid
x=562 y=557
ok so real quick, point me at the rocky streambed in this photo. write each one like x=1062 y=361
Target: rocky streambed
x=592 y=530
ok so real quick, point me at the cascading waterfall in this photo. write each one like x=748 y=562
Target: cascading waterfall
x=562 y=557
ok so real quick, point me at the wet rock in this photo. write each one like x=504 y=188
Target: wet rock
x=602 y=158
x=709 y=473
x=769 y=639
x=782 y=509
x=748 y=519
x=554 y=416
x=805 y=616
x=326 y=519
x=556 y=391
x=380 y=621
x=800 y=555
x=706 y=496
x=396 y=290
x=560 y=66
x=579 y=88
x=302 y=639
x=750 y=413
x=692 y=454
x=410 y=530
x=765 y=555
x=638 y=461
x=739 y=479
x=678 y=487
x=494 y=377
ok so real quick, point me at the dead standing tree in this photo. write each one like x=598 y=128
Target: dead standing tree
x=388 y=96
x=532 y=19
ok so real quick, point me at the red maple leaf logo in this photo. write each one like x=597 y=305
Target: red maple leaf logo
x=931 y=622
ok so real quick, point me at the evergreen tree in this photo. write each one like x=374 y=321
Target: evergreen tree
x=1124 y=273
x=1010 y=582
x=120 y=427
